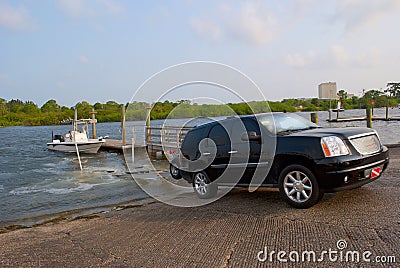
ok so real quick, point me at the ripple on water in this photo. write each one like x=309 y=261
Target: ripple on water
x=79 y=187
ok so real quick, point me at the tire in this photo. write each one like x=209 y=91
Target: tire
x=299 y=187
x=175 y=172
x=203 y=187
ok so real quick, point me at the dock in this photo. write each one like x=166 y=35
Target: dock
x=114 y=145
x=363 y=118
x=158 y=140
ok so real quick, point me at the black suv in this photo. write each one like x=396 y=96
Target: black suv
x=279 y=150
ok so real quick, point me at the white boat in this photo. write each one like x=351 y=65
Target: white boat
x=76 y=140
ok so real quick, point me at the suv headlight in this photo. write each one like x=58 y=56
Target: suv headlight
x=333 y=146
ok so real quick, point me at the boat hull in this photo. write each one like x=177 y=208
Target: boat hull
x=90 y=147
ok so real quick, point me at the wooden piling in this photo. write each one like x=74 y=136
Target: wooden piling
x=369 y=118
x=94 y=134
x=314 y=118
x=123 y=126
x=148 y=129
x=387 y=110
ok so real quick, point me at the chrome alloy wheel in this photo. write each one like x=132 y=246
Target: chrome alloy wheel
x=297 y=186
x=200 y=184
x=174 y=171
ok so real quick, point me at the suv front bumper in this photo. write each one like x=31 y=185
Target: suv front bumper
x=351 y=171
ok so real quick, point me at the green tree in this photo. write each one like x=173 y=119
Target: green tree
x=316 y=102
x=15 y=105
x=83 y=108
x=372 y=94
x=50 y=106
x=3 y=107
x=393 y=89
x=30 y=108
x=342 y=96
x=112 y=105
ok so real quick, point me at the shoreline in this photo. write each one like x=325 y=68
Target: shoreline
x=142 y=120
x=72 y=215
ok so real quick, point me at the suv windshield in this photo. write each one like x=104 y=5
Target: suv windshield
x=285 y=123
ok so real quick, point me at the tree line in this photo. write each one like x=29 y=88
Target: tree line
x=27 y=113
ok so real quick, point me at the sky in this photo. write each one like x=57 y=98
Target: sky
x=101 y=50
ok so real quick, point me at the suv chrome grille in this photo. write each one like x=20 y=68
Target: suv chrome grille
x=365 y=145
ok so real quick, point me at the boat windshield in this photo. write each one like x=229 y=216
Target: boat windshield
x=285 y=123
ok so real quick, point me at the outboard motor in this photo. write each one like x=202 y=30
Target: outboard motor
x=59 y=137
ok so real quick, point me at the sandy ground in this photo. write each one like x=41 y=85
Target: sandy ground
x=228 y=233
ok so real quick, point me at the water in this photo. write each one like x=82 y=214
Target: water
x=388 y=130
x=37 y=184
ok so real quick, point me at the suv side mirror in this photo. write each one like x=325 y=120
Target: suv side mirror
x=250 y=136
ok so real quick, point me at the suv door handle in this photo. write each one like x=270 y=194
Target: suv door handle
x=206 y=154
x=232 y=152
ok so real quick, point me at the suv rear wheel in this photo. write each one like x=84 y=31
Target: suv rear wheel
x=299 y=187
x=175 y=172
x=203 y=187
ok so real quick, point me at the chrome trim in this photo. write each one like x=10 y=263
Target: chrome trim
x=361 y=135
x=245 y=185
x=366 y=135
x=361 y=167
x=232 y=152
x=240 y=165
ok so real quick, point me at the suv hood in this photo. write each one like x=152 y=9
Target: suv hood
x=341 y=132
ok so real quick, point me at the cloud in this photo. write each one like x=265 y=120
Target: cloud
x=364 y=58
x=251 y=23
x=83 y=59
x=360 y=13
x=255 y=24
x=339 y=54
x=298 y=60
x=72 y=7
x=335 y=56
x=205 y=28
x=89 y=8
x=15 y=18
x=369 y=58
x=111 y=6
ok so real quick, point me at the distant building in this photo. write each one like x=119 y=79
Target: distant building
x=327 y=90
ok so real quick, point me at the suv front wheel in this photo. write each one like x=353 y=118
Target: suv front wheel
x=203 y=187
x=299 y=187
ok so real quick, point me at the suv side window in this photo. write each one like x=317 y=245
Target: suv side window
x=251 y=125
x=237 y=129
